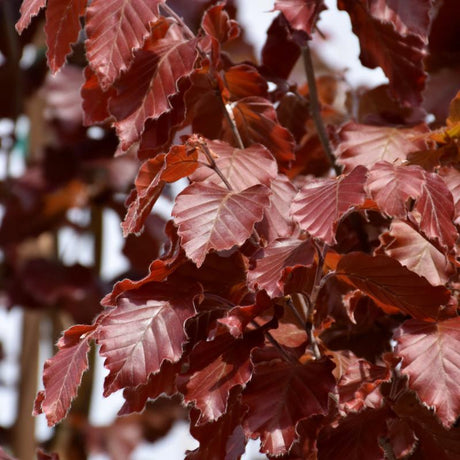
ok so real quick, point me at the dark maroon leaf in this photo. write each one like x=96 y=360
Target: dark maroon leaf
x=282 y=393
x=301 y=14
x=217 y=366
x=217 y=23
x=392 y=286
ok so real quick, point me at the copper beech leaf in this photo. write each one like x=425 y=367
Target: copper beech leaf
x=29 y=9
x=63 y=372
x=434 y=211
x=356 y=437
x=217 y=23
x=451 y=177
x=281 y=394
x=430 y=355
x=399 y=53
x=271 y=262
x=390 y=284
x=161 y=383
x=62 y=28
x=277 y=221
x=392 y=186
x=179 y=162
x=414 y=251
x=366 y=144
x=321 y=203
x=217 y=366
x=301 y=14
x=257 y=123
x=211 y=217
x=242 y=168
x=144 y=91
x=222 y=439
x=115 y=29
x=145 y=328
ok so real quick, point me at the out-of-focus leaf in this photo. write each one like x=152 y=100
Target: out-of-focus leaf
x=390 y=284
x=29 y=9
x=321 y=203
x=205 y=216
x=115 y=30
x=301 y=14
x=430 y=355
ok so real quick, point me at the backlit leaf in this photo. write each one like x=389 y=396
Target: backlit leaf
x=392 y=186
x=144 y=329
x=242 y=168
x=63 y=372
x=431 y=359
x=321 y=203
x=217 y=23
x=270 y=263
x=115 y=29
x=205 y=216
x=301 y=14
x=451 y=177
x=388 y=283
x=29 y=9
x=366 y=145
x=415 y=252
x=144 y=91
x=62 y=29
x=282 y=393
x=434 y=211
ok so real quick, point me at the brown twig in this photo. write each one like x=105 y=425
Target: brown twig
x=178 y=19
x=315 y=109
x=213 y=165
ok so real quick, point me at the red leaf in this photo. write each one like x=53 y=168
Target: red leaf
x=243 y=80
x=242 y=168
x=205 y=216
x=277 y=221
x=271 y=262
x=95 y=100
x=431 y=359
x=301 y=14
x=144 y=91
x=217 y=23
x=62 y=374
x=355 y=438
x=62 y=28
x=392 y=186
x=366 y=145
x=257 y=124
x=115 y=29
x=280 y=394
x=321 y=203
x=144 y=329
x=390 y=284
x=163 y=382
x=358 y=386
x=451 y=177
x=222 y=439
x=415 y=252
x=179 y=162
x=434 y=211
x=217 y=366
x=402 y=438
x=29 y=9
x=399 y=53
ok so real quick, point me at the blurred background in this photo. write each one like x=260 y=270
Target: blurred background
x=61 y=202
